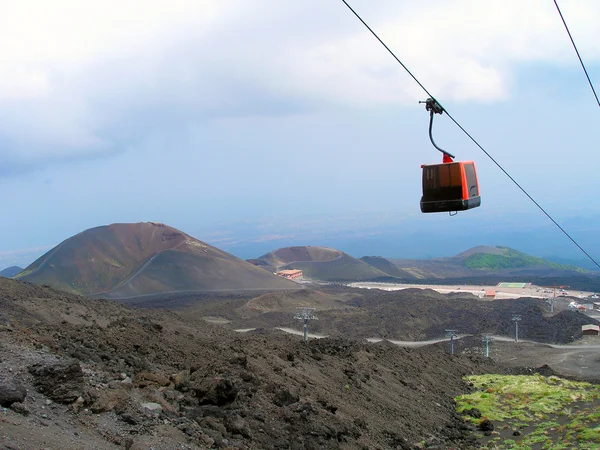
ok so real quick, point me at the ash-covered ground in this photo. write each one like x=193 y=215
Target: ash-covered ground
x=78 y=373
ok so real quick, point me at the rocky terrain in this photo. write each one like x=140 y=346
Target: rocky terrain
x=79 y=373
x=410 y=314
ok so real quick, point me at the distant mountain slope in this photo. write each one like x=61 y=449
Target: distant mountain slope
x=10 y=271
x=432 y=268
x=508 y=258
x=288 y=255
x=322 y=263
x=262 y=264
x=124 y=260
x=485 y=261
x=479 y=250
x=388 y=267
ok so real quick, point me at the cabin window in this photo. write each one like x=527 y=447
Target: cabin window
x=450 y=175
x=442 y=175
x=442 y=182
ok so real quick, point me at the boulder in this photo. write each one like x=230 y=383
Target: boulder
x=11 y=391
x=20 y=408
x=62 y=381
x=129 y=419
x=109 y=400
x=216 y=391
x=152 y=406
x=181 y=380
x=284 y=397
x=473 y=412
x=145 y=379
x=237 y=425
x=486 y=425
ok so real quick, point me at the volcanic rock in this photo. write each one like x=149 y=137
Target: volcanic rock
x=61 y=381
x=11 y=391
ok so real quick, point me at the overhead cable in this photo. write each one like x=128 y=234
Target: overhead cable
x=473 y=139
x=578 y=55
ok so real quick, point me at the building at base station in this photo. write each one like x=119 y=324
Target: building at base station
x=590 y=330
x=291 y=274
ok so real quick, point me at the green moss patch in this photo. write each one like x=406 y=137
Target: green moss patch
x=534 y=412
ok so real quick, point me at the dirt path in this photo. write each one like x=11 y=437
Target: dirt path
x=581 y=360
x=413 y=344
x=301 y=333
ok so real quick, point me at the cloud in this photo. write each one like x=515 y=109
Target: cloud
x=83 y=80
x=464 y=50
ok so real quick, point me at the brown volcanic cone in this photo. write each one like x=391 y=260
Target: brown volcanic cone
x=321 y=263
x=131 y=259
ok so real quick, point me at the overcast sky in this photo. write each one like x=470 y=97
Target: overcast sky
x=204 y=114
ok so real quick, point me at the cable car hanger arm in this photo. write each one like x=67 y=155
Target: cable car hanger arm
x=434 y=107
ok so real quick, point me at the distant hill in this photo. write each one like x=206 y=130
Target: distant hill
x=327 y=264
x=479 y=250
x=387 y=267
x=10 y=272
x=477 y=262
x=132 y=259
x=320 y=263
x=494 y=258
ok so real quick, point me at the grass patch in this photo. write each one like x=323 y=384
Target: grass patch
x=23 y=273
x=550 y=413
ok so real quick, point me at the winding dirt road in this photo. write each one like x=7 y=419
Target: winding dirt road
x=577 y=359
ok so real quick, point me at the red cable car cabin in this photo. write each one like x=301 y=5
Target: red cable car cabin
x=449 y=187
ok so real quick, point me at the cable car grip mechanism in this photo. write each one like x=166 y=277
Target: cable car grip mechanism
x=434 y=107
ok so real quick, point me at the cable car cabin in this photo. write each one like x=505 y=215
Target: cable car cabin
x=450 y=187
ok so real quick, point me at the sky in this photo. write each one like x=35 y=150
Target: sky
x=285 y=122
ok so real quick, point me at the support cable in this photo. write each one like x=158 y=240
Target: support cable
x=474 y=140
x=577 y=51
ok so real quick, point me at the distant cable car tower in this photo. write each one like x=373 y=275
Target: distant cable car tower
x=305 y=314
